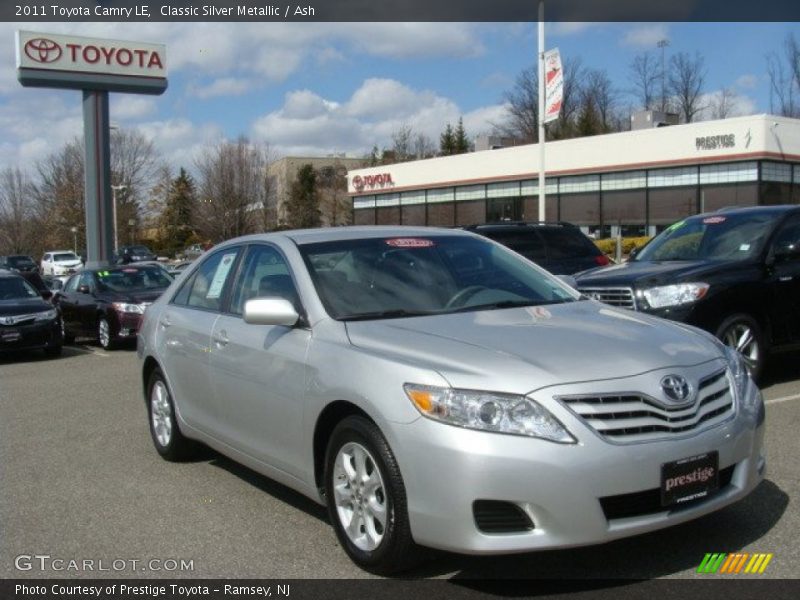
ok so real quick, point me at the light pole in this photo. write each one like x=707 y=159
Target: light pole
x=114 y=190
x=74 y=231
x=132 y=225
x=663 y=44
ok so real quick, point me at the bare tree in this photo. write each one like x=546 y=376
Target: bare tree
x=16 y=210
x=523 y=104
x=523 y=108
x=423 y=146
x=231 y=189
x=644 y=74
x=723 y=103
x=134 y=164
x=600 y=91
x=686 y=79
x=59 y=198
x=334 y=204
x=784 y=79
x=403 y=144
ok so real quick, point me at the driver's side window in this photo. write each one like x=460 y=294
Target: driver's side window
x=72 y=285
x=787 y=241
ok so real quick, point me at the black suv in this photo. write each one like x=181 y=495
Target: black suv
x=19 y=263
x=735 y=273
x=561 y=248
x=130 y=254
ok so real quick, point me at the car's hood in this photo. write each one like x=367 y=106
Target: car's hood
x=649 y=273
x=23 y=306
x=67 y=263
x=522 y=349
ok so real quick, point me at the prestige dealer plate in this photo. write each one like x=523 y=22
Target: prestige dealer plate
x=689 y=478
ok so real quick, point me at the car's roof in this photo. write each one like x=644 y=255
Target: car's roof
x=520 y=225
x=777 y=209
x=59 y=252
x=355 y=232
x=10 y=274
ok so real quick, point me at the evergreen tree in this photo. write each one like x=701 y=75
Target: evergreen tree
x=461 y=144
x=447 y=142
x=303 y=205
x=176 y=219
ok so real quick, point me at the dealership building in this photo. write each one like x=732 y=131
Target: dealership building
x=639 y=181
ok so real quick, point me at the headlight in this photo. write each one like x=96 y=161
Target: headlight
x=738 y=371
x=47 y=315
x=674 y=295
x=487 y=411
x=128 y=308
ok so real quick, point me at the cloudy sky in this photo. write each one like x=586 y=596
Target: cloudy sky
x=322 y=88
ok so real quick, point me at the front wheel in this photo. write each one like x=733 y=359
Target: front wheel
x=743 y=333
x=104 y=336
x=366 y=498
x=167 y=437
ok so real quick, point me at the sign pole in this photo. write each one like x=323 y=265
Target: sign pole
x=541 y=113
x=97 y=177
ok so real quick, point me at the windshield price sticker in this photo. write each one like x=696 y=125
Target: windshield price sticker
x=713 y=220
x=221 y=274
x=410 y=243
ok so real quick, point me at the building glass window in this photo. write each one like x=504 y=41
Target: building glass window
x=503 y=209
x=729 y=173
x=577 y=185
x=530 y=187
x=776 y=172
x=415 y=197
x=624 y=181
x=440 y=195
x=387 y=200
x=364 y=202
x=502 y=190
x=471 y=192
x=672 y=177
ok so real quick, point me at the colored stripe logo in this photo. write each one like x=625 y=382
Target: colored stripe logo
x=733 y=564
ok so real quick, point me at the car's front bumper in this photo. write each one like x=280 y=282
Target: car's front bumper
x=559 y=486
x=30 y=336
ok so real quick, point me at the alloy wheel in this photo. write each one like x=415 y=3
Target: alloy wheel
x=161 y=413
x=360 y=496
x=104 y=333
x=742 y=338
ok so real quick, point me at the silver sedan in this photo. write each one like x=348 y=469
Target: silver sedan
x=434 y=388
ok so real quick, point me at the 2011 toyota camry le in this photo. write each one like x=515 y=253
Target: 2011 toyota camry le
x=433 y=388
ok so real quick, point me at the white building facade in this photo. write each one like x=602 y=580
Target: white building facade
x=636 y=181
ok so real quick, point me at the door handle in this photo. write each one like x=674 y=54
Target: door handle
x=165 y=322
x=221 y=339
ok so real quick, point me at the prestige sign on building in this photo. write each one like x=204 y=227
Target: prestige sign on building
x=114 y=65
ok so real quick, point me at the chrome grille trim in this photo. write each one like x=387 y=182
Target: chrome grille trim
x=621 y=297
x=630 y=417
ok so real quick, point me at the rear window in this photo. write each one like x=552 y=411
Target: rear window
x=64 y=257
x=568 y=243
x=525 y=242
x=20 y=261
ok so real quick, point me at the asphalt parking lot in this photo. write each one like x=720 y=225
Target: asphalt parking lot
x=81 y=481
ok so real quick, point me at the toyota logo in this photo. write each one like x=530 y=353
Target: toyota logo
x=43 y=50
x=358 y=182
x=675 y=387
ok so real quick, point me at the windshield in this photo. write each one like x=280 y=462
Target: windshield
x=67 y=256
x=16 y=288
x=134 y=279
x=20 y=261
x=713 y=237
x=396 y=277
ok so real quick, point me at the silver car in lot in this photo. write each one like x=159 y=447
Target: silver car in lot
x=433 y=388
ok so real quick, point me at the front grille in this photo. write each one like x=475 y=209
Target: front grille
x=630 y=417
x=648 y=502
x=496 y=516
x=621 y=297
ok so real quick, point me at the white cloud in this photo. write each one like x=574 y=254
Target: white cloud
x=569 y=27
x=747 y=82
x=738 y=105
x=224 y=86
x=308 y=124
x=128 y=106
x=646 y=36
x=179 y=141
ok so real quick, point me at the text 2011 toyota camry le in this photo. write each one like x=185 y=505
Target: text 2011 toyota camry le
x=434 y=388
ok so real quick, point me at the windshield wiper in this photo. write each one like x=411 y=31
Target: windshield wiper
x=387 y=314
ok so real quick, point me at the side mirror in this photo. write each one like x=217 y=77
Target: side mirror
x=84 y=289
x=787 y=252
x=270 y=311
x=632 y=254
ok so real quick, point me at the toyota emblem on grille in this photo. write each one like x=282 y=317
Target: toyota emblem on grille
x=675 y=387
x=43 y=50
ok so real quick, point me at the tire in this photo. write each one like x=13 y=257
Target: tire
x=104 y=335
x=167 y=437
x=358 y=452
x=743 y=333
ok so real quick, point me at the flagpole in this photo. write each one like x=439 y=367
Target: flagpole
x=541 y=112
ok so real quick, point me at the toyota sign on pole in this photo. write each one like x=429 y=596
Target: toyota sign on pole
x=554 y=86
